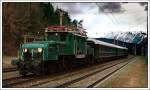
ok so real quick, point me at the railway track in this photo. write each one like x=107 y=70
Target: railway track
x=63 y=82
x=17 y=80
x=9 y=69
x=91 y=79
x=60 y=79
x=38 y=80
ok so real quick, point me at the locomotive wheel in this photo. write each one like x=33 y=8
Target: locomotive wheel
x=49 y=67
x=37 y=70
x=40 y=69
x=68 y=63
x=63 y=63
x=22 y=71
x=90 y=60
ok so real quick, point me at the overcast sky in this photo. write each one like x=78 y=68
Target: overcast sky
x=102 y=18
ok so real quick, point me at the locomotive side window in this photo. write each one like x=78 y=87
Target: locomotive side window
x=52 y=36
x=63 y=37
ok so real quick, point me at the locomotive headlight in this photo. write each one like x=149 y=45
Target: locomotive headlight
x=25 y=50
x=39 y=49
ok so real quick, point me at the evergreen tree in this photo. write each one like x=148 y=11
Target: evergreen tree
x=66 y=19
x=49 y=13
x=75 y=22
x=27 y=18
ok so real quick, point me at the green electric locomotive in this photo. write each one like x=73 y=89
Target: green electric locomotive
x=58 y=50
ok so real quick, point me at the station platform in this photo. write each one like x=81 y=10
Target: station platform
x=134 y=75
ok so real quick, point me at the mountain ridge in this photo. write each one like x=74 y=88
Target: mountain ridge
x=129 y=37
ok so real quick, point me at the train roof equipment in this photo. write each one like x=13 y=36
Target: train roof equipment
x=71 y=29
x=105 y=43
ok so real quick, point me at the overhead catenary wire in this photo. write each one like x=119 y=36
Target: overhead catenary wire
x=115 y=19
x=111 y=18
x=113 y=22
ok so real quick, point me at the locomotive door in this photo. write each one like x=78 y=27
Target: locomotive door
x=78 y=48
x=75 y=45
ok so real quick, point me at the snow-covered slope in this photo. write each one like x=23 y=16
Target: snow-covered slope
x=130 y=37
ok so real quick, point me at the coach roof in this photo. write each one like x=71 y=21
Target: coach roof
x=105 y=43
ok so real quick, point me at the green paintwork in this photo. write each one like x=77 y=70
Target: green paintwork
x=90 y=51
x=33 y=45
x=58 y=44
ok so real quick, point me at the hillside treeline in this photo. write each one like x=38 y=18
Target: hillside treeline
x=19 y=19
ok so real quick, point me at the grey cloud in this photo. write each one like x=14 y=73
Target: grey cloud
x=143 y=3
x=75 y=8
x=110 y=7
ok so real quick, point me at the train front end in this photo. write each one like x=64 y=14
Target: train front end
x=31 y=56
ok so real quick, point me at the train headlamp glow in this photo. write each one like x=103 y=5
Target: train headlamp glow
x=25 y=50
x=56 y=34
x=39 y=49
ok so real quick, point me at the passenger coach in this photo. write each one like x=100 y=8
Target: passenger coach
x=106 y=51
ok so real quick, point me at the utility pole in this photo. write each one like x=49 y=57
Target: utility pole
x=61 y=13
x=25 y=38
x=135 y=49
x=114 y=40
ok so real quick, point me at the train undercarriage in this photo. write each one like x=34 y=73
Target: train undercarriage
x=40 y=67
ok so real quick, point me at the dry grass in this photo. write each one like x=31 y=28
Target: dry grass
x=6 y=61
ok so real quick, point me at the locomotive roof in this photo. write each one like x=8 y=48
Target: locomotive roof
x=51 y=42
x=41 y=44
x=105 y=43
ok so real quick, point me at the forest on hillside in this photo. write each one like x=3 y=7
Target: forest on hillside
x=19 y=19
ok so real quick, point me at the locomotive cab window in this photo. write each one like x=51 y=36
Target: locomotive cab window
x=52 y=36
